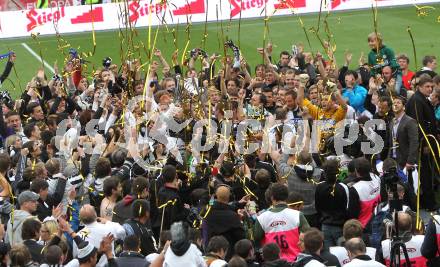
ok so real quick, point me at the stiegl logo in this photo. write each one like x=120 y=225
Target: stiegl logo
x=239 y=6
x=38 y=18
x=138 y=9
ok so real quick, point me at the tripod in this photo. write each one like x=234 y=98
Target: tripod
x=397 y=244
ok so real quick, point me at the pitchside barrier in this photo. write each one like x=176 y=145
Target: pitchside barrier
x=67 y=17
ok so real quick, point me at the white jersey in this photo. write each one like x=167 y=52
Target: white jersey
x=95 y=232
x=342 y=254
x=362 y=263
x=413 y=247
x=282 y=228
x=369 y=197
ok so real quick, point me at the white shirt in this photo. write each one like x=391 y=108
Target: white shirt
x=396 y=123
x=314 y=263
x=192 y=258
x=95 y=232
x=362 y=263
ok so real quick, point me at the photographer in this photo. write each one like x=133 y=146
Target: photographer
x=391 y=177
x=412 y=242
x=390 y=184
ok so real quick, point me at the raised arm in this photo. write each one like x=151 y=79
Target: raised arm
x=304 y=78
x=8 y=67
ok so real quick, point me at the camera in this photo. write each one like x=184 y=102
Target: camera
x=106 y=62
x=6 y=99
x=295 y=50
x=236 y=51
x=239 y=161
x=198 y=52
x=195 y=52
x=230 y=43
x=203 y=53
x=390 y=177
x=73 y=53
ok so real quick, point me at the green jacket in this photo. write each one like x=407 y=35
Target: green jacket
x=385 y=57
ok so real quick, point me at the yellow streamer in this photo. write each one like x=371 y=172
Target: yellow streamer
x=169 y=202
x=295 y=203
x=408 y=29
x=93 y=31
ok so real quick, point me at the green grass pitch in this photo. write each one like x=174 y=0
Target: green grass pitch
x=349 y=29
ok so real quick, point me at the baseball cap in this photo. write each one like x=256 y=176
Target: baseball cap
x=26 y=196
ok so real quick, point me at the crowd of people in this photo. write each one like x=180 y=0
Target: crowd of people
x=210 y=162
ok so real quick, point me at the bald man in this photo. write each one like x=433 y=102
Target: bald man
x=413 y=243
x=223 y=220
x=95 y=229
x=357 y=253
x=223 y=194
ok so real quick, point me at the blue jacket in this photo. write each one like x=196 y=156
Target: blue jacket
x=356 y=97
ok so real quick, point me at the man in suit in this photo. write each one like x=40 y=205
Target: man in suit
x=420 y=109
x=404 y=136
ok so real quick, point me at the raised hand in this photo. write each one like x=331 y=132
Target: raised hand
x=12 y=57
x=348 y=57
x=157 y=53
x=362 y=59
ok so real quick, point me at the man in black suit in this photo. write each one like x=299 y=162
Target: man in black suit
x=420 y=109
x=404 y=136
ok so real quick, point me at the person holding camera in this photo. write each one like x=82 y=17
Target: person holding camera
x=413 y=243
x=396 y=196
